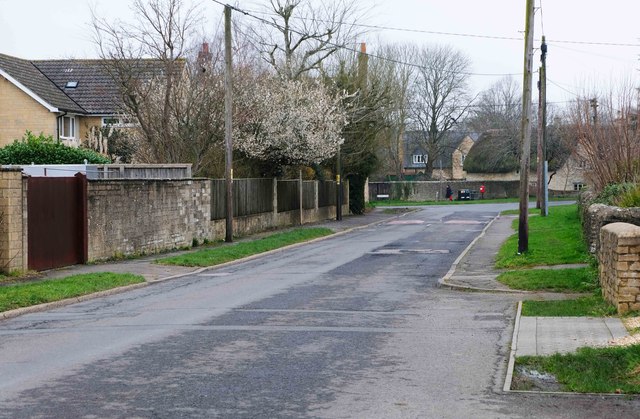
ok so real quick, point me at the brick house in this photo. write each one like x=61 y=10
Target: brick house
x=448 y=164
x=61 y=98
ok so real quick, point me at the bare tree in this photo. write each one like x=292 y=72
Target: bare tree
x=397 y=76
x=439 y=97
x=606 y=127
x=147 y=61
x=302 y=34
x=498 y=108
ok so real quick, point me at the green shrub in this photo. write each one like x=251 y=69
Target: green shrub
x=43 y=149
x=611 y=193
x=630 y=198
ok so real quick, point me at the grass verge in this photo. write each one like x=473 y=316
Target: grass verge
x=553 y=240
x=25 y=295
x=591 y=306
x=591 y=370
x=556 y=280
x=222 y=254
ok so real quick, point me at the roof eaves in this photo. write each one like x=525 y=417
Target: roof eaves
x=28 y=91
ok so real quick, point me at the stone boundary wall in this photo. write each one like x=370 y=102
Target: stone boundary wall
x=433 y=190
x=128 y=217
x=134 y=217
x=596 y=216
x=13 y=221
x=619 y=265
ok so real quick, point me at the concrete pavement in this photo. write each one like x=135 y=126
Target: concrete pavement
x=533 y=335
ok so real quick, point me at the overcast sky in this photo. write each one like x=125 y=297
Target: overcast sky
x=40 y=29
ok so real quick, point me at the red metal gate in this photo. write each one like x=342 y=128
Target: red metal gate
x=57 y=221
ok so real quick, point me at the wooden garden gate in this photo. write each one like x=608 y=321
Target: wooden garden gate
x=57 y=221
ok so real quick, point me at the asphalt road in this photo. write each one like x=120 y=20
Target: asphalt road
x=352 y=326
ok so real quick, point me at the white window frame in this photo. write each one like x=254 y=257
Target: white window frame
x=420 y=159
x=72 y=127
x=578 y=186
x=122 y=122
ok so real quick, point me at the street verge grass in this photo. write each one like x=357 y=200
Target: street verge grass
x=555 y=280
x=24 y=295
x=553 y=240
x=588 y=305
x=227 y=253
x=591 y=370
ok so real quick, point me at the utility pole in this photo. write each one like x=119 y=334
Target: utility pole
x=594 y=104
x=523 y=224
x=228 y=112
x=542 y=131
x=545 y=165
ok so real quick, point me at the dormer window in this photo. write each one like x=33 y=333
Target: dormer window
x=71 y=84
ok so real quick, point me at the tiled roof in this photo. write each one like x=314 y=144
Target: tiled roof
x=30 y=77
x=414 y=145
x=95 y=91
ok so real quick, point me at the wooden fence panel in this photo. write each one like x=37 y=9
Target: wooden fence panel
x=309 y=194
x=250 y=196
x=288 y=195
x=326 y=193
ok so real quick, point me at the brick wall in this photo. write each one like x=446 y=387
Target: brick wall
x=146 y=216
x=619 y=259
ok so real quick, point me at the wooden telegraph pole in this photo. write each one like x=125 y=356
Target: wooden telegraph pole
x=542 y=131
x=523 y=224
x=543 y=95
x=228 y=112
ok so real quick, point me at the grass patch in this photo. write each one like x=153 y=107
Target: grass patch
x=25 y=295
x=590 y=306
x=557 y=280
x=553 y=240
x=222 y=254
x=592 y=370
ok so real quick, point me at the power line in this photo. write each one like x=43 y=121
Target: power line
x=557 y=85
x=346 y=48
x=459 y=34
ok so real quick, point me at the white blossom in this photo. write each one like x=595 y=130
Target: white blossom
x=292 y=121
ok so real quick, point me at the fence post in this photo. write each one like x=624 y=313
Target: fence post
x=275 y=199
x=301 y=193
x=346 y=188
x=315 y=195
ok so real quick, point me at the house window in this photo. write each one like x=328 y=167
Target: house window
x=116 y=121
x=577 y=186
x=420 y=159
x=67 y=127
x=462 y=158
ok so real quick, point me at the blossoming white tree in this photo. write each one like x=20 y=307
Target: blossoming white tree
x=288 y=122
